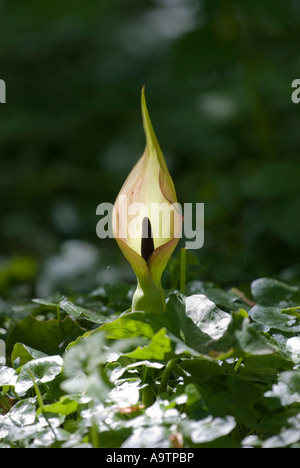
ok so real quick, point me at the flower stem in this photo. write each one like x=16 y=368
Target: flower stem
x=238 y=363
x=37 y=391
x=166 y=375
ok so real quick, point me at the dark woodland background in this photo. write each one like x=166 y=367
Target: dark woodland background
x=218 y=80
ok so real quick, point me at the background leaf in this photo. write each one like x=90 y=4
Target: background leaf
x=272 y=317
x=48 y=336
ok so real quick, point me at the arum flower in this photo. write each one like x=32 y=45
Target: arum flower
x=147 y=221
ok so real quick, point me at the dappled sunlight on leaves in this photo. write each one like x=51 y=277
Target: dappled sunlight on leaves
x=229 y=372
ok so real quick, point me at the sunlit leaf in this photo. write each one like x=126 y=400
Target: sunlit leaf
x=40 y=370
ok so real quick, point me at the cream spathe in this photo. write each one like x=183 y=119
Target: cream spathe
x=147 y=221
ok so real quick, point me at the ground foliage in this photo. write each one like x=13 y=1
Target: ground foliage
x=220 y=368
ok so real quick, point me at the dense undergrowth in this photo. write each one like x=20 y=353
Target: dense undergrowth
x=219 y=368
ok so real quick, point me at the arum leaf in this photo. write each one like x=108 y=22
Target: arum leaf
x=206 y=315
x=64 y=406
x=271 y=317
x=8 y=376
x=22 y=354
x=269 y=292
x=41 y=370
x=47 y=336
x=128 y=326
x=158 y=348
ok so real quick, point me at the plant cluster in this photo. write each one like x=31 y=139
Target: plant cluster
x=218 y=368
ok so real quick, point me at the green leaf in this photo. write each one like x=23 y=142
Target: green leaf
x=240 y=336
x=288 y=435
x=272 y=318
x=22 y=415
x=8 y=376
x=183 y=326
x=215 y=333
x=270 y=292
x=158 y=348
x=264 y=367
x=287 y=389
x=73 y=310
x=22 y=354
x=65 y=406
x=206 y=315
x=38 y=371
x=129 y=325
x=83 y=370
x=49 y=336
x=202 y=369
x=45 y=302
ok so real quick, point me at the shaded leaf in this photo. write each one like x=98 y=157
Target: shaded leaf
x=49 y=336
x=74 y=310
x=272 y=317
x=269 y=292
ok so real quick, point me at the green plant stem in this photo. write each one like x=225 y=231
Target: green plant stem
x=238 y=363
x=182 y=270
x=37 y=391
x=166 y=375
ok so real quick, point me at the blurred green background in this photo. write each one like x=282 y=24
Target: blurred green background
x=218 y=77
